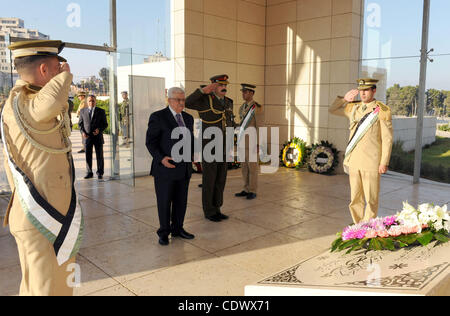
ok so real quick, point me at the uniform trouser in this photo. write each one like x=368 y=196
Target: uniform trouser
x=125 y=131
x=92 y=142
x=365 y=188
x=250 y=172
x=41 y=274
x=214 y=180
x=172 y=198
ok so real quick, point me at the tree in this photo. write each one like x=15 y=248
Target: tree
x=446 y=106
x=402 y=100
x=104 y=74
x=435 y=102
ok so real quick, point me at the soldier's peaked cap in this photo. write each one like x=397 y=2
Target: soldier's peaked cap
x=223 y=79
x=366 y=83
x=246 y=86
x=38 y=48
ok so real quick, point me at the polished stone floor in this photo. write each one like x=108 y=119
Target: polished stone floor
x=295 y=217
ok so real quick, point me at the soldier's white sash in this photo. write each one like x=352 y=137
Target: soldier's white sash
x=246 y=121
x=63 y=232
x=364 y=125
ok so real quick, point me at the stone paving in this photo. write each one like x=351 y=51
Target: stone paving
x=295 y=217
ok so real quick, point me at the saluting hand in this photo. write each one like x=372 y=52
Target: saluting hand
x=65 y=67
x=166 y=163
x=210 y=88
x=351 y=95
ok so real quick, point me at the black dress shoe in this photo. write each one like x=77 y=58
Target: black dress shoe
x=222 y=216
x=183 y=234
x=89 y=176
x=251 y=196
x=100 y=177
x=164 y=241
x=214 y=218
x=242 y=194
x=82 y=151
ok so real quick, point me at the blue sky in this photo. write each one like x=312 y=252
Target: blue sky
x=398 y=32
x=138 y=27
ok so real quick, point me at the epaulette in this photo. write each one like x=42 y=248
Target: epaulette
x=383 y=106
x=385 y=113
x=258 y=105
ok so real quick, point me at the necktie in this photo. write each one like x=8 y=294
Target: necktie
x=180 y=121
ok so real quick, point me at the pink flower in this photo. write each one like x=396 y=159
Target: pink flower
x=382 y=233
x=390 y=220
x=395 y=231
x=371 y=234
x=410 y=230
x=353 y=232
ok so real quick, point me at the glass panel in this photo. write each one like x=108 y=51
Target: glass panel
x=125 y=116
x=392 y=28
x=82 y=21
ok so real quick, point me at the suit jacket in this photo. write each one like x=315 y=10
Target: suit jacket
x=159 y=143
x=88 y=125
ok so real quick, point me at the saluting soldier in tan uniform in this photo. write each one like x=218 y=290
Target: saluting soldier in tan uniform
x=251 y=116
x=43 y=214
x=369 y=150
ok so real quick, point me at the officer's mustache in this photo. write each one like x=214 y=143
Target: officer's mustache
x=224 y=90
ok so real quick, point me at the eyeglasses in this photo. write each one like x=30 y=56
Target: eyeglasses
x=178 y=100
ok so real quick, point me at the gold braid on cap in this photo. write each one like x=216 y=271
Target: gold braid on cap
x=63 y=125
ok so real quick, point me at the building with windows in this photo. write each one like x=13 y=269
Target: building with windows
x=13 y=27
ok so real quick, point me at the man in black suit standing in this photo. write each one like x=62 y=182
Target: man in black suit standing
x=92 y=124
x=171 y=178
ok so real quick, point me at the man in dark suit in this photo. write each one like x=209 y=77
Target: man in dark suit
x=92 y=124
x=171 y=178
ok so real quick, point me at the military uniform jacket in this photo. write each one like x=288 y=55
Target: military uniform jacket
x=213 y=112
x=50 y=173
x=257 y=120
x=375 y=148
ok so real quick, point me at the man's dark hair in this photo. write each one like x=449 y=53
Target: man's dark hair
x=29 y=61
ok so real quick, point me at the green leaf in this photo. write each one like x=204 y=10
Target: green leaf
x=408 y=239
x=336 y=244
x=375 y=244
x=348 y=244
x=425 y=238
x=354 y=248
x=387 y=243
x=442 y=238
x=401 y=244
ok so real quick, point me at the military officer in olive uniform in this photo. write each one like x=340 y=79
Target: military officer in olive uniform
x=125 y=118
x=251 y=115
x=215 y=110
x=43 y=214
x=369 y=150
